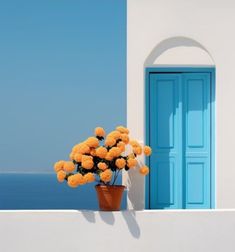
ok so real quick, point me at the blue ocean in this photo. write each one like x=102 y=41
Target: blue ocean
x=42 y=191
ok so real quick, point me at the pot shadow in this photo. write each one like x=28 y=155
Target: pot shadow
x=88 y=215
x=132 y=224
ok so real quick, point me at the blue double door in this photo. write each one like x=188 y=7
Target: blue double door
x=180 y=136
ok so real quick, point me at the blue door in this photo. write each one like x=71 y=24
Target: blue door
x=180 y=136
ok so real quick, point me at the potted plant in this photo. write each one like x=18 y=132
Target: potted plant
x=101 y=158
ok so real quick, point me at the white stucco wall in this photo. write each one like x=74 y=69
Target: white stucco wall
x=126 y=231
x=208 y=24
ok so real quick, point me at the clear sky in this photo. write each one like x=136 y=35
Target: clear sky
x=62 y=73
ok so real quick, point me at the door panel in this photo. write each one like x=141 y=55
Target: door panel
x=180 y=127
x=165 y=125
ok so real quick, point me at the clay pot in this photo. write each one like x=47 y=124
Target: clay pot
x=109 y=197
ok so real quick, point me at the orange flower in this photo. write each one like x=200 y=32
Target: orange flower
x=88 y=164
x=115 y=152
x=125 y=138
x=89 y=177
x=101 y=152
x=147 y=150
x=102 y=166
x=115 y=134
x=120 y=163
x=69 y=166
x=108 y=157
x=86 y=157
x=137 y=150
x=76 y=148
x=72 y=155
x=110 y=141
x=83 y=148
x=106 y=175
x=121 y=145
x=131 y=162
x=144 y=170
x=93 y=152
x=92 y=142
x=99 y=131
x=78 y=157
x=59 y=165
x=76 y=180
x=61 y=175
x=122 y=129
x=134 y=143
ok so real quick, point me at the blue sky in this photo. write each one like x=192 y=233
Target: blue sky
x=62 y=73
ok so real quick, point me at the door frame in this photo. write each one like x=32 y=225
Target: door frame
x=212 y=72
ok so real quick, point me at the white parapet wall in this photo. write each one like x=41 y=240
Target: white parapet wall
x=73 y=231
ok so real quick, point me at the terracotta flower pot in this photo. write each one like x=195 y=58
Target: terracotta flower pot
x=109 y=197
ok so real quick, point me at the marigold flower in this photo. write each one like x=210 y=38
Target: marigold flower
x=88 y=164
x=131 y=162
x=147 y=150
x=110 y=141
x=137 y=150
x=59 y=165
x=125 y=138
x=61 y=175
x=101 y=152
x=120 y=163
x=89 y=177
x=102 y=166
x=106 y=175
x=121 y=145
x=99 y=131
x=122 y=129
x=78 y=157
x=115 y=152
x=83 y=148
x=92 y=142
x=93 y=152
x=115 y=134
x=144 y=170
x=69 y=166
x=134 y=143
x=72 y=181
x=108 y=157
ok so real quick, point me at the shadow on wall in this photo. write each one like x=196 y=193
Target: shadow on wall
x=109 y=219
x=171 y=43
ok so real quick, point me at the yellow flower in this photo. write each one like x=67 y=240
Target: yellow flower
x=121 y=145
x=134 y=143
x=106 y=175
x=83 y=148
x=89 y=177
x=59 y=165
x=61 y=176
x=115 y=134
x=102 y=166
x=131 y=162
x=115 y=152
x=108 y=157
x=69 y=166
x=122 y=129
x=125 y=138
x=110 y=141
x=92 y=142
x=99 y=131
x=88 y=164
x=120 y=163
x=144 y=170
x=101 y=152
x=137 y=150
x=147 y=150
x=78 y=157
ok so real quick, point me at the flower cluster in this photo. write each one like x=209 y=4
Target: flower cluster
x=101 y=157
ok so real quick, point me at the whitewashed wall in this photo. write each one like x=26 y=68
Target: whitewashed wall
x=86 y=231
x=182 y=32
